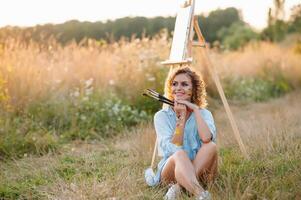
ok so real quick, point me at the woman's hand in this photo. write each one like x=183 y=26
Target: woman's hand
x=180 y=109
x=189 y=105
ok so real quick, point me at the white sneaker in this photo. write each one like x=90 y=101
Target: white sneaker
x=173 y=192
x=204 y=196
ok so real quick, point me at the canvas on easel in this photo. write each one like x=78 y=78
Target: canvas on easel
x=179 y=54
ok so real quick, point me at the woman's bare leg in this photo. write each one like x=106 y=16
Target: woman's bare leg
x=205 y=162
x=180 y=169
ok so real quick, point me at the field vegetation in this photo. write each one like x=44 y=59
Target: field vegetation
x=74 y=125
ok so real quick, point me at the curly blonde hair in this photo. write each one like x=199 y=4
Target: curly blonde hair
x=198 y=85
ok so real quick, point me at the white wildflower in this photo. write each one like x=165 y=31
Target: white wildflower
x=76 y=93
x=151 y=78
x=83 y=117
x=88 y=82
x=112 y=82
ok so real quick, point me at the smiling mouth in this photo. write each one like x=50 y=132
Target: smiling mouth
x=180 y=94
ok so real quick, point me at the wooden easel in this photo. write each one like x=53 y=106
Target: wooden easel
x=184 y=57
x=216 y=80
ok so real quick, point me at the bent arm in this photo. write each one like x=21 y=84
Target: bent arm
x=205 y=126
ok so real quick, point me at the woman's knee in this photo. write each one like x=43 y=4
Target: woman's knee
x=180 y=155
x=210 y=147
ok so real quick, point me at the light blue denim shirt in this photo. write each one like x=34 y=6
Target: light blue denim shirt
x=165 y=124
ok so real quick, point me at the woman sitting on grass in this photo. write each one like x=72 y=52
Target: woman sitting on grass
x=187 y=136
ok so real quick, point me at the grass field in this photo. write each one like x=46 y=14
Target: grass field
x=113 y=168
x=74 y=125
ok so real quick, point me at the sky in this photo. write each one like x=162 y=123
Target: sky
x=33 y=12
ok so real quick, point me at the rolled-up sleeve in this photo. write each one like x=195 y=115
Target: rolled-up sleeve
x=208 y=118
x=164 y=131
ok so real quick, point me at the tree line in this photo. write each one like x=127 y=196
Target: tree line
x=123 y=27
x=224 y=26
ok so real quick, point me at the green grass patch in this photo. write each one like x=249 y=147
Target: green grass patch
x=255 y=88
x=43 y=126
x=264 y=176
x=273 y=177
x=26 y=187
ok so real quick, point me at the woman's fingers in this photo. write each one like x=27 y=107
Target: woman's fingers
x=180 y=108
x=183 y=103
x=176 y=102
x=187 y=103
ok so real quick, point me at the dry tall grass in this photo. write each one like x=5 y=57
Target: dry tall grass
x=32 y=72
x=258 y=56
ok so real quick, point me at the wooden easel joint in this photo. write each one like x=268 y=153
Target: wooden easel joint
x=202 y=41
